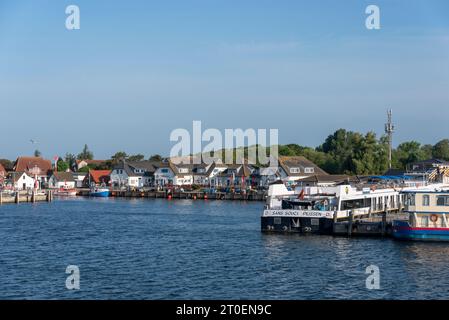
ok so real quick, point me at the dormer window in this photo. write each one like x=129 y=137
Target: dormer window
x=309 y=170
x=183 y=170
x=295 y=170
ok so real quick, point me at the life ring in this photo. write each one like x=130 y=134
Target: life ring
x=434 y=218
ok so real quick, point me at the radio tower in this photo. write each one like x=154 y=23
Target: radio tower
x=389 y=129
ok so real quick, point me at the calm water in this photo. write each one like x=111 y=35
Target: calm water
x=182 y=249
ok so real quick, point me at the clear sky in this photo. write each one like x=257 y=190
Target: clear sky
x=136 y=70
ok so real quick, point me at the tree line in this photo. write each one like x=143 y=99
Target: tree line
x=343 y=152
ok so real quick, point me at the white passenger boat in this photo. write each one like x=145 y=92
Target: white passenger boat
x=315 y=209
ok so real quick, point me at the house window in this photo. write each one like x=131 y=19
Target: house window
x=295 y=170
x=426 y=200
x=443 y=201
x=164 y=170
x=309 y=170
x=183 y=170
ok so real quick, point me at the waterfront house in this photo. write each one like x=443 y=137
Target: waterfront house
x=79 y=177
x=35 y=167
x=97 y=178
x=237 y=175
x=20 y=181
x=164 y=175
x=267 y=175
x=135 y=174
x=183 y=174
x=201 y=174
x=93 y=163
x=61 y=180
x=295 y=168
x=215 y=169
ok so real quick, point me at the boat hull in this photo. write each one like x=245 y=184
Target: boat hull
x=297 y=225
x=403 y=231
x=100 y=194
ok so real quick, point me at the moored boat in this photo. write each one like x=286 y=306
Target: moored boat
x=428 y=211
x=99 y=192
x=65 y=192
x=317 y=209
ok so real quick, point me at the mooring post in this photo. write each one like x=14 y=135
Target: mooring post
x=384 y=222
x=1 y=198
x=17 y=200
x=351 y=218
x=33 y=196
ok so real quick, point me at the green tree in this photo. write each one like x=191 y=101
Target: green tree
x=441 y=150
x=62 y=165
x=7 y=164
x=70 y=158
x=136 y=157
x=156 y=158
x=119 y=156
x=406 y=153
x=86 y=154
x=427 y=151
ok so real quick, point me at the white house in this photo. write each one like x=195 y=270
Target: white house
x=292 y=169
x=62 y=180
x=78 y=178
x=164 y=174
x=133 y=174
x=22 y=181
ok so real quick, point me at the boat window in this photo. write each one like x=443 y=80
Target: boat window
x=426 y=200
x=424 y=221
x=443 y=201
x=411 y=199
x=277 y=220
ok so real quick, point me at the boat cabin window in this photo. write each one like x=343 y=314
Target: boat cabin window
x=355 y=204
x=411 y=199
x=443 y=201
x=424 y=221
x=426 y=200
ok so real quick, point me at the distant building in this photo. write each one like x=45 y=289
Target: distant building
x=135 y=174
x=34 y=167
x=61 y=180
x=79 y=177
x=20 y=181
x=296 y=168
x=97 y=178
x=84 y=163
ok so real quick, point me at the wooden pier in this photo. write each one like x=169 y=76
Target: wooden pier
x=194 y=195
x=374 y=226
x=26 y=197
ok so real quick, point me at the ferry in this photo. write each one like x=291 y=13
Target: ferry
x=428 y=211
x=315 y=209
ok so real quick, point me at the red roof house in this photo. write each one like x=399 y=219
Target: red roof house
x=98 y=177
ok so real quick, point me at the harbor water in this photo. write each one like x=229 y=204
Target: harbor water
x=187 y=249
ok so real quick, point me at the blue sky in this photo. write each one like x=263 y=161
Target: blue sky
x=136 y=70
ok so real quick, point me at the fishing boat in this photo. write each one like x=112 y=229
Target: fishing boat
x=428 y=211
x=65 y=192
x=316 y=209
x=99 y=192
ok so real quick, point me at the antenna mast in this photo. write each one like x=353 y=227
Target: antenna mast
x=389 y=129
